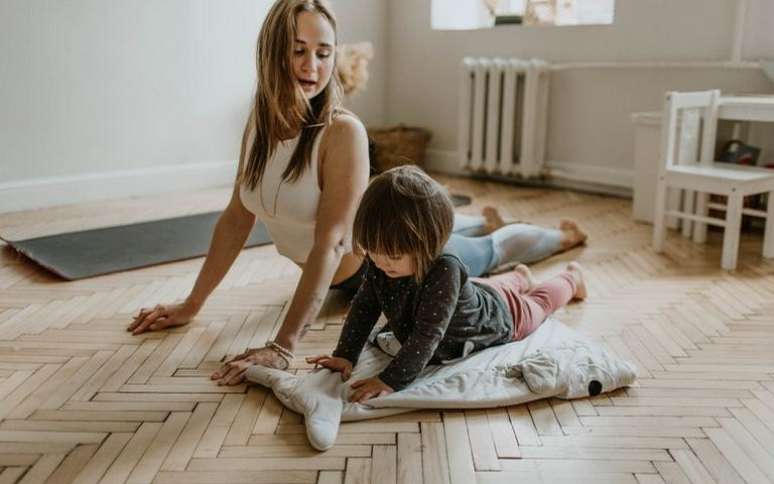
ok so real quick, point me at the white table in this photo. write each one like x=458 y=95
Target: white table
x=747 y=108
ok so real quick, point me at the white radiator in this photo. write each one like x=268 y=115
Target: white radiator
x=503 y=116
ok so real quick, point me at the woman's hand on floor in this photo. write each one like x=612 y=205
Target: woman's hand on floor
x=233 y=371
x=342 y=365
x=161 y=317
x=369 y=388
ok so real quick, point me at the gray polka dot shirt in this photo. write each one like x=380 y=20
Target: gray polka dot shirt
x=432 y=320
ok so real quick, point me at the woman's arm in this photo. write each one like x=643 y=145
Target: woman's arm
x=344 y=180
x=363 y=314
x=229 y=237
x=231 y=232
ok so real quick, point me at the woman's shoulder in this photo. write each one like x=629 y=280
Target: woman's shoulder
x=345 y=125
x=345 y=142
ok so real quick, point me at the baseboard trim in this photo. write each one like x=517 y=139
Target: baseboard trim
x=48 y=192
x=613 y=177
x=587 y=178
x=443 y=161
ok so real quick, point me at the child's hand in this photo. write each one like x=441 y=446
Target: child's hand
x=370 y=388
x=334 y=363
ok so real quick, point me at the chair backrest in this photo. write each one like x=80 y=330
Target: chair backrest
x=689 y=127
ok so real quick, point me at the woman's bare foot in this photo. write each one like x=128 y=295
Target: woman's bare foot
x=572 y=235
x=493 y=219
x=526 y=274
x=576 y=271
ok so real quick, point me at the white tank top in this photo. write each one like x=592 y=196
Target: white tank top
x=289 y=210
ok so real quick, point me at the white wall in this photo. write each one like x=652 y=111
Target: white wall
x=102 y=85
x=759 y=38
x=589 y=125
x=366 y=21
x=108 y=98
x=104 y=98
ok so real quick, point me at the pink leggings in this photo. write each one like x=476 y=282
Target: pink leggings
x=529 y=310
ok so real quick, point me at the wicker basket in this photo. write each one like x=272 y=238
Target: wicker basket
x=398 y=145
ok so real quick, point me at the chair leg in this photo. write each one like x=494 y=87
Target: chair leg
x=768 y=238
x=688 y=204
x=659 y=219
x=674 y=201
x=731 y=232
x=700 y=228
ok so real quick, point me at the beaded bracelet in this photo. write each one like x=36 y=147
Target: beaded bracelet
x=281 y=350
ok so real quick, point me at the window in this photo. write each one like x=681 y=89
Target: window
x=478 y=14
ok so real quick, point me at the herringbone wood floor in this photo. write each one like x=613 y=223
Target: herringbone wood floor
x=83 y=401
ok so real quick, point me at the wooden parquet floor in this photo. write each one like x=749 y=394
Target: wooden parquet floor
x=83 y=401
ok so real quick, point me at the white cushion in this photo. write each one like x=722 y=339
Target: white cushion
x=555 y=361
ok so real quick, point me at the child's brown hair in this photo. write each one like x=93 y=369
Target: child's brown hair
x=404 y=211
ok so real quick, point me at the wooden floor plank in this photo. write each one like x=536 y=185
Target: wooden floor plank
x=183 y=450
x=132 y=452
x=11 y=475
x=157 y=451
x=238 y=477
x=410 y=457
x=481 y=441
x=761 y=456
x=218 y=428
x=43 y=468
x=691 y=466
x=458 y=445
x=384 y=464
x=502 y=434
x=716 y=463
x=523 y=426
x=103 y=458
x=435 y=467
x=73 y=464
x=736 y=456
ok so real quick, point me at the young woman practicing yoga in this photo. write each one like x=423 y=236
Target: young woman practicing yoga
x=303 y=168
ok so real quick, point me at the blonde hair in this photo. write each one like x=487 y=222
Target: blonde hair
x=405 y=212
x=280 y=104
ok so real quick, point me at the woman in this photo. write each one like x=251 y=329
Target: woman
x=303 y=168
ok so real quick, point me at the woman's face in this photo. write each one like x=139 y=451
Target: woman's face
x=313 y=52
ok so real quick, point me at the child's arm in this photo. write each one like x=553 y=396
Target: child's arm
x=438 y=301
x=361 y=319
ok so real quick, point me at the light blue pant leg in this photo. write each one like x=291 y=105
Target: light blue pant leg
x=522 y=243
x=468 y=225
x=477 y=253
x=525 y=243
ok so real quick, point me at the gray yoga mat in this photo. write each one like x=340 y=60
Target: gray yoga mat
x=89 y=253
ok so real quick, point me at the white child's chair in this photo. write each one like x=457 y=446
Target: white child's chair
x=690 y=121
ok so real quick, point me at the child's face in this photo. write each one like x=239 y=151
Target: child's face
x=401 y=266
